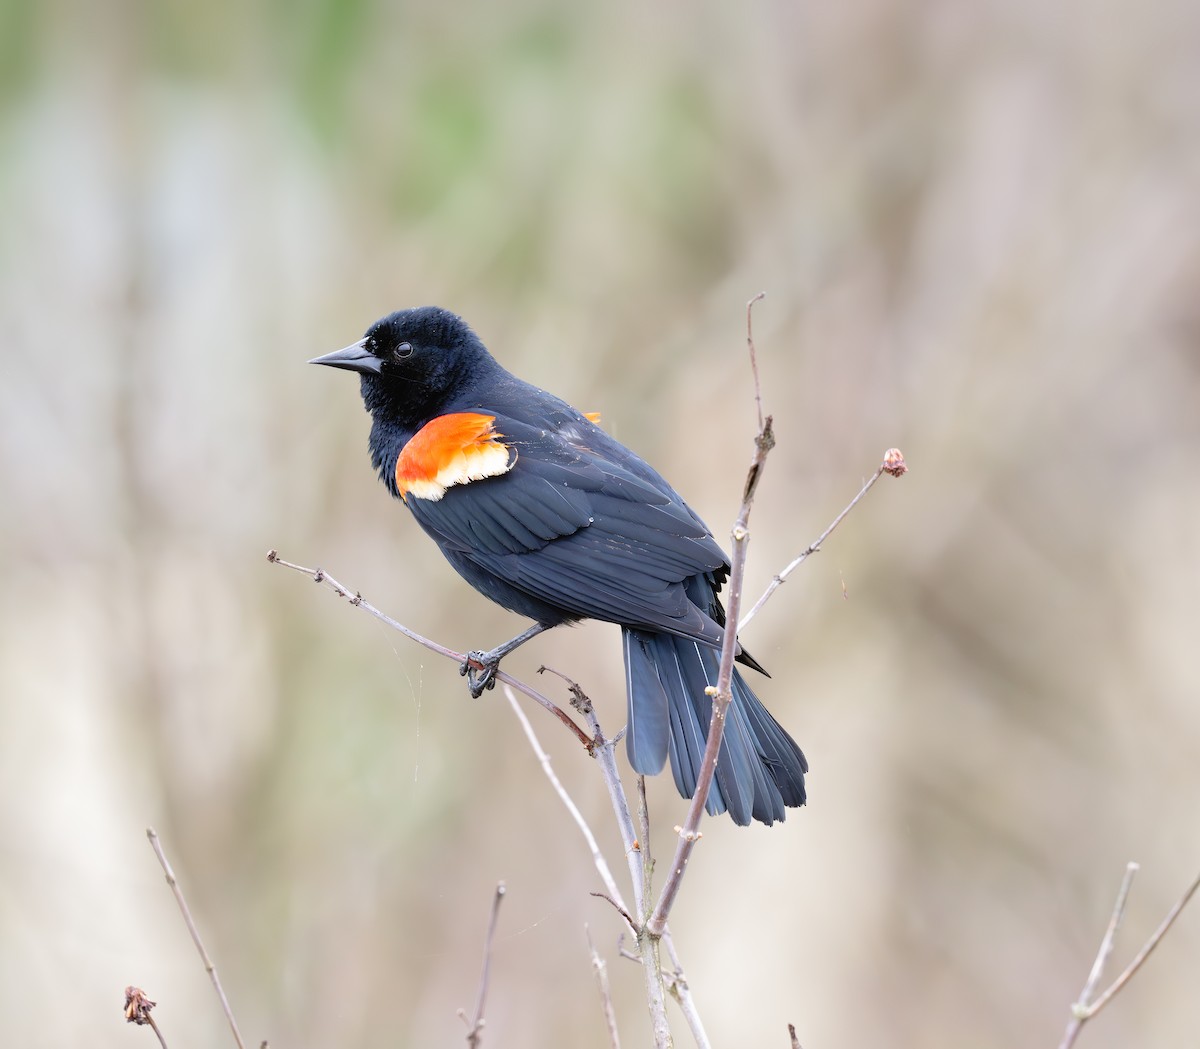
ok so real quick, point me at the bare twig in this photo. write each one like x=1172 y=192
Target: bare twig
x=680 y=990
x=893 y=463
x=644 y=843
x=476 y=1023
x=754 y=356
x=1080 y=1009
x=675 y=981
x=1085 y=1008
x=1144 y=953
x=655 y=999
x=792 y=1035
x=616 y=907
x=604 y=751
x=601 y=970
x=722 y=694
x=209 y=968
x=319 y=575
x=648 y=954
x=598 y=859
x=137 y=1011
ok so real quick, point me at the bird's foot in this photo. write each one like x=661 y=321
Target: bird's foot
x=479 y=668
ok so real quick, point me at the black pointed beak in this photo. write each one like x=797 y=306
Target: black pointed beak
x=353 y=358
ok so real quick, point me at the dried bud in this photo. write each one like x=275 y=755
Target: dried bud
x=137 y=1006
x=893 y=462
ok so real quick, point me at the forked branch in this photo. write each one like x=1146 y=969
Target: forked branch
x=893 y=464
x=1087 y=1006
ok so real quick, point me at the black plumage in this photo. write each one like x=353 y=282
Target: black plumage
x=573 y=525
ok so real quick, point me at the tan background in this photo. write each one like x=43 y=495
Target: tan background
x=979 y=229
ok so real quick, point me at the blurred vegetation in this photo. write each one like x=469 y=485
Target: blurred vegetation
x=979 y=232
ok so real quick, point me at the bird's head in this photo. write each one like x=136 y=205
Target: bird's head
x=414 y=362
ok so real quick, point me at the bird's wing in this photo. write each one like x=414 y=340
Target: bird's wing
x=568 y=523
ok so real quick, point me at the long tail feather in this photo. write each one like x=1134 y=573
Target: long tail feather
x=760 y=769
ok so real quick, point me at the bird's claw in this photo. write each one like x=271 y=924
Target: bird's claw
x=480 y=672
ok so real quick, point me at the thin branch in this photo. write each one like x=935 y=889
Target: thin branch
x=792 y=1035
x=209 y=968
x=604 y=751
x=476 y=1023
x=679 y=989
x=722 y=694
x=137 y=1011
x=319 y=575
x=1110 y=934
x=598 y=859
x=893 y=463
x=154 y=1027
x=1079 y=1011
x=754 y=356
x=655 y=999
x=644 y=843
x=601 y=970
x=616 y=907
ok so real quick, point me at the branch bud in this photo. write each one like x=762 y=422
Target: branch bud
x=893 y=462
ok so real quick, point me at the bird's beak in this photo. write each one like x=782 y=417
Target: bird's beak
x=354 y=358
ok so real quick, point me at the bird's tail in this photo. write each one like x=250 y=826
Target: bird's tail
x=760 y=769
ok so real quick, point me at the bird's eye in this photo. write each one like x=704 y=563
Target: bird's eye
x=404 y=350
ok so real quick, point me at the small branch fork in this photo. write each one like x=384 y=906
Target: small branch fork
x=894 y=464
x=1087 y=1006
x=475 y=1025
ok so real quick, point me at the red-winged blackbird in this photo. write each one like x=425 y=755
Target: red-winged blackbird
x=542 y=511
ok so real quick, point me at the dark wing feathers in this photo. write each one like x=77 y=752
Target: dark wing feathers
x=581 y=525
x=574 y=528
x=496 y=518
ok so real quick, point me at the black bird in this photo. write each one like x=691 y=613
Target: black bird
x=545 y=513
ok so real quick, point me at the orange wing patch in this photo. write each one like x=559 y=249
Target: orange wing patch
x=449 y=450
x=592 y=417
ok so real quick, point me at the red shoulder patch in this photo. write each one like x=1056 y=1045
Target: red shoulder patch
x=449 y=450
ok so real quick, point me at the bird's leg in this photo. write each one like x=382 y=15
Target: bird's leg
x=478 y=680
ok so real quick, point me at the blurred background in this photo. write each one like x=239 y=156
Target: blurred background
x=978 y=228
